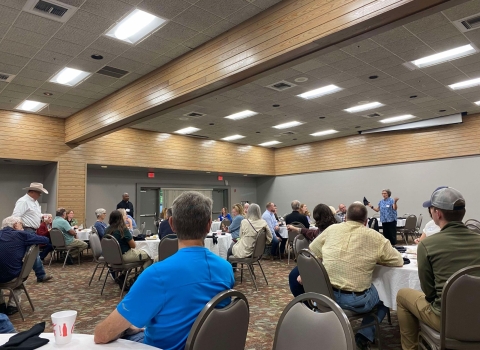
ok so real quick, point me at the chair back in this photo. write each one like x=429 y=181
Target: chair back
x=167 y=247
x=298 y=224
x=95 y=245
x=302 y=328
x=473 y=228
x=142 y=228
x=28 y=261
x=419 y=222
x=94 y=230
x=314 y=276
x=213 y=327
x=111 y=250
x=461 y=306
x=291 y=236
x=472 y=221
x=411 y=222
x=299 y=243
x=56 y=236
x=260 y=243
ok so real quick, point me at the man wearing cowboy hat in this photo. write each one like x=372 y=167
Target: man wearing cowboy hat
x=28 y=209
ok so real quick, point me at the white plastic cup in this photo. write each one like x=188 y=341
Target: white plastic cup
x=149 y=232
x=63 y=323
x=219 y=232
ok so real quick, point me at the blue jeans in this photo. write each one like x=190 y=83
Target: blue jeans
x=295 y=287
x=5 y=325
x=275 y=240
x=46 y=249
x=363 y=303
x=38 y=268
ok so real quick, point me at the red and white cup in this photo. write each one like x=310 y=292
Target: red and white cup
x=63 y=323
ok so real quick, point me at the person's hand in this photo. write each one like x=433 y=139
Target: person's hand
x=291 y=228
x=277 y=228
x=396 y=199
x=299 y=279
x=416 y=240
x=368 y=204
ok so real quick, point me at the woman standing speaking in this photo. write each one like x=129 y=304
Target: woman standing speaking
x=388 y=215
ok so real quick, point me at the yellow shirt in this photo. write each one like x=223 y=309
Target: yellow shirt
x=350 y=252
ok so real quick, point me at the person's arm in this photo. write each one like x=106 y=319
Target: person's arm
x=128 y=236
x=317 y=244
x=20 y=209
x=30 y=238
x=310 y=233
x=111 y=328
x=425 y=273
x=389 y=256
x=377 y=209
x=268 y=234
x=422 y=237
x=395 y=206
x=235 y=227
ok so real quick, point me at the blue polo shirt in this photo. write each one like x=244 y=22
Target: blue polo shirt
x=168 y=296
x=387 y=213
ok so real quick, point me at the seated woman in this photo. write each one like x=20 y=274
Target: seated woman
x=99 y=225
x=128 y=221
x=249 y=229
x=224 y=215
x=323 y=217
x=44 y=230
x=71 y=220
x=122 y=234
x=234 y=227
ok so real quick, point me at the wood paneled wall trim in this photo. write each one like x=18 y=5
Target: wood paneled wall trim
x=276 y=36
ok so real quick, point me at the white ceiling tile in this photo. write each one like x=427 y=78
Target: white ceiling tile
x=20 y=88
x=115 y=47
x=8 y=15
x=392 y=35
x=19 y=49
x=439 y=33
x=13 y=60
x=244 y=14
x=125 y=64
x=36 y=24
x=72 y=98
x=197 y=19
x=76 y=36
x=101 y=80
x=417 y=53
x=63 y=47
x=139 y=55
x=87 y=66
x=53 y=57
x=464 y=10
x=111 y=9
x=218 y=28
x=374 y=55
x=156 y=44
x=16 y=4
x=89 y=22
x=26 y=37
x=164 y=8
x=160 y=61
x=450 y=43
x=404 y=45
x=175 y=32
x=177 y=51
x=34 y=74
x=9 y=69
x=427 y=23
x=221 y=8
x=145 y=69
x=28 y=82
x=197 y=40
x=360 y=47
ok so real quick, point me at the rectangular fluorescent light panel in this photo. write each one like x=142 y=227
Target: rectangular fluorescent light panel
x=326 y=90
x=69 y=76
x=477 y=103
x=31 y=106
x=397 y=119
x=325 y=132
x=465 y=84
x=364 y=107
x=233 y=137
x=269 y=143
x=444 y=56
x=287 y=125
x=188 y=130
x=135 y=26
x=241 y=115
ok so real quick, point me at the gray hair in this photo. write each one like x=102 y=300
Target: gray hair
x=296 y=205
x=388 y=191
x=254 y=212
x=11 y=221
x=99 y=212
x=357 y=212
x=191 y=214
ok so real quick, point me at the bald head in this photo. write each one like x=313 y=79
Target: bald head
x=125 y=197
x=357 y=212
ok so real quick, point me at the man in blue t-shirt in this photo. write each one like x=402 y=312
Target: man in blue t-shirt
x=168 y=296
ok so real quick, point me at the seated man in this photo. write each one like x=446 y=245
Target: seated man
x=179 y=286
x=439 y=257
x=350 y=252
x=164 y=228
x=69 y=233
x=269 y=217
x=296 y=216
x=14 y=243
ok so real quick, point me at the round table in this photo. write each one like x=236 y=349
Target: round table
x=150 y=246
x=215 y=226
x=283 y=232
x=84 y=341
x=83 y=235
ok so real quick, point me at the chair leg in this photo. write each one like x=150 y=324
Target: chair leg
x=51 y=257
x=101 y=273
x=66 y=257
x=17 y=302
x=104 y=282
x=79 y=253
x=28 y=296
x=388 y=317
x=93 y=274
x=241 y=274
x=377 y=333
x=125 y=282
x=251 y=275
x=261 y=269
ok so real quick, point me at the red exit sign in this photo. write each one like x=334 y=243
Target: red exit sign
x=151 y=175
x=220 y=178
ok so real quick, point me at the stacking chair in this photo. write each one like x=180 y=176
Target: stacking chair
x=417 y=227
x=19 y=282
x=97 y=255
x=142 y=228
x=460 y=314
x=300 y=327
x=315 y=279
x=299 y=243
x=473 y=225
x=409 y=229
x=59 y=245
x=224 y=328
x=291 y=238
x=113 y=259
x=167 y=247
x=254 y=259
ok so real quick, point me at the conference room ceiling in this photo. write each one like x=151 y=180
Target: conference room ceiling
x=421 y=92
x=34 y=48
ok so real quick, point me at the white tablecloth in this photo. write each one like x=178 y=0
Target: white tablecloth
x=221 y=248
x=389 y=280
x=215 y=226
x=400 y=223
x=150 y=246
x=83 y=234
x=283 y=231
x=84 y=341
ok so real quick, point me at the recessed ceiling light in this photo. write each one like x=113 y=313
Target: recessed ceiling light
x=97 y=57
x=48 y=94
x=301 y=80
x=465 y=84
x=364 y=107
x=321 y=117
x=233 y=137
x=211 y=124
x=373 y=77
x=69 y=76
x=257 y=132
x=188 y=130
x=241 y=115
x=269 y=143
x=444 y=56
x=358 y=127
x=442 y=110
x=104 y=166
x=135 y=26
x=275 y=105
x=31 y=106
x=325 y=90
x=325 y=132
x=477 y=103
x=397 y=119
x=287 y=125
x=413 y=96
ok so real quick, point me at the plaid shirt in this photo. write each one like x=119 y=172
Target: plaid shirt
x=350 y=252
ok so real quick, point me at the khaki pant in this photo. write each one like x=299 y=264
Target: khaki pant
x=134 y=255
x=412 y=307
x=77 y=244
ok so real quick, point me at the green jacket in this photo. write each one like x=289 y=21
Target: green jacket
x=443 y=254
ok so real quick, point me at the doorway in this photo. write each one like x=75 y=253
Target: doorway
x=220 y=200
x=149 y=208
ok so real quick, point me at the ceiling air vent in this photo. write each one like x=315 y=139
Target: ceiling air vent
x=468 y=23
x=197 y=136
x=281 y=85
x=51 y=9
x=372 y=115
x=113 y=72
x=6 y=78
x=288 y=133
x=194 y=115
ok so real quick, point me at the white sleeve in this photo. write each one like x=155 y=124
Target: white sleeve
x=20 y=208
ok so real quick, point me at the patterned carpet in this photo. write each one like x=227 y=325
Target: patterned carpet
x=69 y=290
